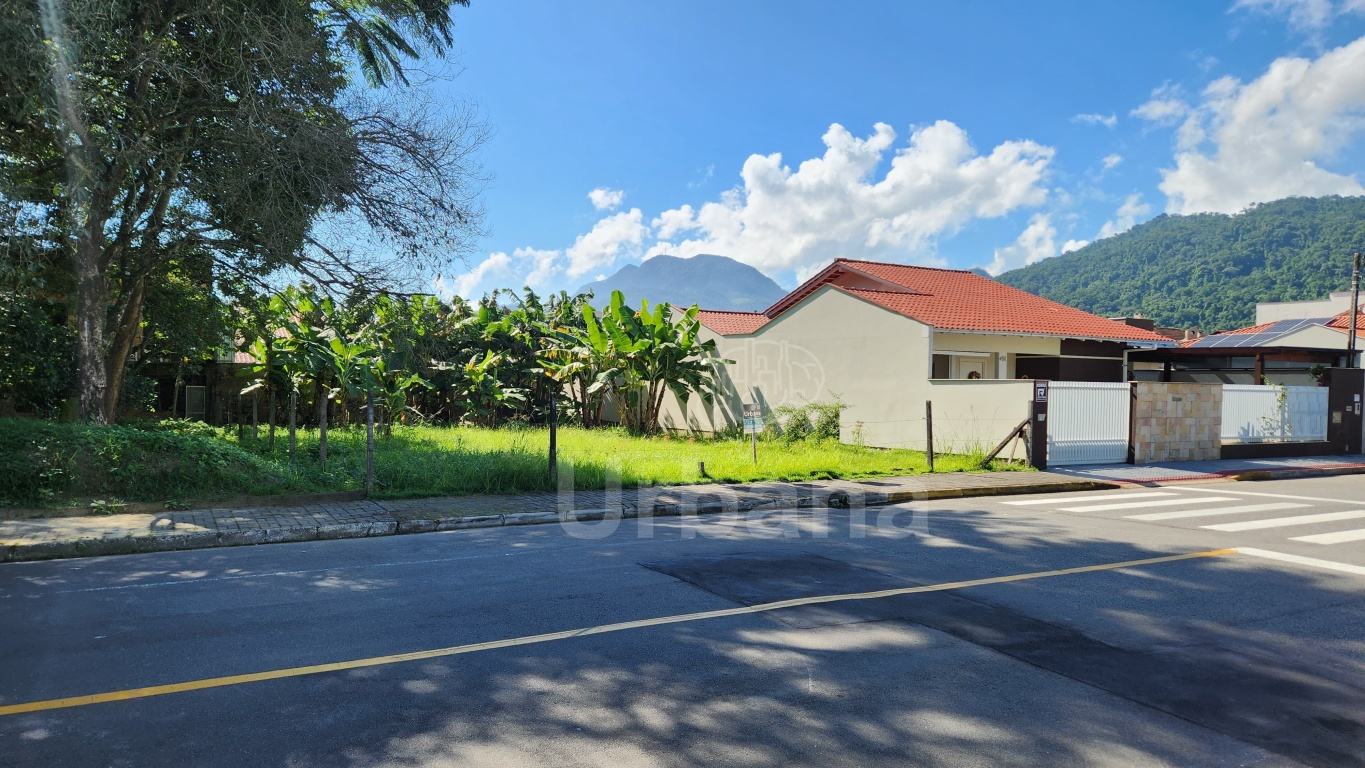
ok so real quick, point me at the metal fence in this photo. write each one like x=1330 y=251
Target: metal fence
x=1271 y=414
x=1088 y=422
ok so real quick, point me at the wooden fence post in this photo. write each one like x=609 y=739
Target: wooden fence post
x=369 y=443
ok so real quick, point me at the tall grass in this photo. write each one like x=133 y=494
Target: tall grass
x=47 y=463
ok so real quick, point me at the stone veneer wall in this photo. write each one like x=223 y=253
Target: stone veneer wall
x=1176 y=422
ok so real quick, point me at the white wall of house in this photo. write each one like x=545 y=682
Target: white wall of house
x=1315 y=337
x=879 y=363
x=1334 y=304
x=831 y=344
x=971 y=416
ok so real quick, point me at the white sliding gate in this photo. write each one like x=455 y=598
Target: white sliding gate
x=1088 y=422
x=1270 y=414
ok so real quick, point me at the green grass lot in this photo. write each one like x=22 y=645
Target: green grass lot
x=51 y=464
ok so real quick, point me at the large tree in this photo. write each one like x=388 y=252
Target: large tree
x=263 y=135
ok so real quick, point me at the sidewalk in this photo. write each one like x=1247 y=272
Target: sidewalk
x=1234 y=469
x=86 y=536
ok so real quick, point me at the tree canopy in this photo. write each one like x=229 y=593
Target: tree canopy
x=218 y=139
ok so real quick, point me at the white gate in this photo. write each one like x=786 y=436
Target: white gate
x=1270 y=414
x=1088 y=422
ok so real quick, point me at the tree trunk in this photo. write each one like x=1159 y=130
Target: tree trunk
x=271 y=440
x=322 y=424
x=92 y=291
x=126 y=329
x=255 y=417
x=369 y=443
x=175 y=397
x=554 y=426
x=293 y=421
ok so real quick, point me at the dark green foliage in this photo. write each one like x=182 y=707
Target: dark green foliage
x=37 y=355
x=1209 y=270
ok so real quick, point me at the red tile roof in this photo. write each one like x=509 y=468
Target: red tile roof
x=954 y=300
x=1343 y=322
x=731 y=323
x=1249 y=329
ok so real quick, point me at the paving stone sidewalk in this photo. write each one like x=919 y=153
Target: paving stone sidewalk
x=43 y=538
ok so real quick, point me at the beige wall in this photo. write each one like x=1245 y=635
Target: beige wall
x=878 y=362
x=969 y=416
x=831 y=344
x=1334 y=304
x=1315 y=337
x=945 y=341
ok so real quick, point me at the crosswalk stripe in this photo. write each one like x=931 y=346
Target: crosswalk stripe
x=1272 y=495
x=1311 y=562
x=1277 y=522
x=1339 y=537
x=1215 y=511
x=1143 y=495
x=1137 y=504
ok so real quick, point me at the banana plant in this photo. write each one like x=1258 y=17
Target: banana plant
x=479 y=392
x=645 y=354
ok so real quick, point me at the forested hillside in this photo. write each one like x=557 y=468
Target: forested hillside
x=1209 y=270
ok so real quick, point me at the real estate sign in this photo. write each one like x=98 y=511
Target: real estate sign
x=753 y=418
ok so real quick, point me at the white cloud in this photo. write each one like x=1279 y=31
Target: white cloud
x=1111 y=161
x=1035 y=243
x=1254 y=142
x=782 y=219
x=1127 y=215
x=609 y=238
x=501 y=270
x=671 y=222
x=468 y=284
x=1303 y=15
x=544 y=265
x=604 y=199
x=1165 y=107
x=1074 y=245
x=1108 y=121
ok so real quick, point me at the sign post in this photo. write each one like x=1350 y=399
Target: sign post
x=753 y=424
x=1038 y=428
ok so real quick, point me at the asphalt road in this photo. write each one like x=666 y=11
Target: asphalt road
x=1254 y=657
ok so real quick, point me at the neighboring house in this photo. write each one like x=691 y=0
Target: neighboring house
x=1281 y=352
x=206 y=390
x=887 y=338
x=1336 y=303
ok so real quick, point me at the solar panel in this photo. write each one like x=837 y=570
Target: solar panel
x=1265 y=337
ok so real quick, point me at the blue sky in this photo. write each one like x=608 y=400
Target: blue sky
x=961 y=134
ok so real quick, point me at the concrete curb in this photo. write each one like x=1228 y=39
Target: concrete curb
x=1290 y=474
x=206 y=540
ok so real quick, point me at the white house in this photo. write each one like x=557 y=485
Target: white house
x=887 y=338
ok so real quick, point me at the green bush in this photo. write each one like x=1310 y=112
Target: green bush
x=814 y=420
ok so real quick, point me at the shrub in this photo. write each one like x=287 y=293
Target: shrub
x=817 y=420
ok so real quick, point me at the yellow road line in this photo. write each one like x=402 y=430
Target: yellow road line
x=398 y=658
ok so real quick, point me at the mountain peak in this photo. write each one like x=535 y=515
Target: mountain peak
x=708 y=280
